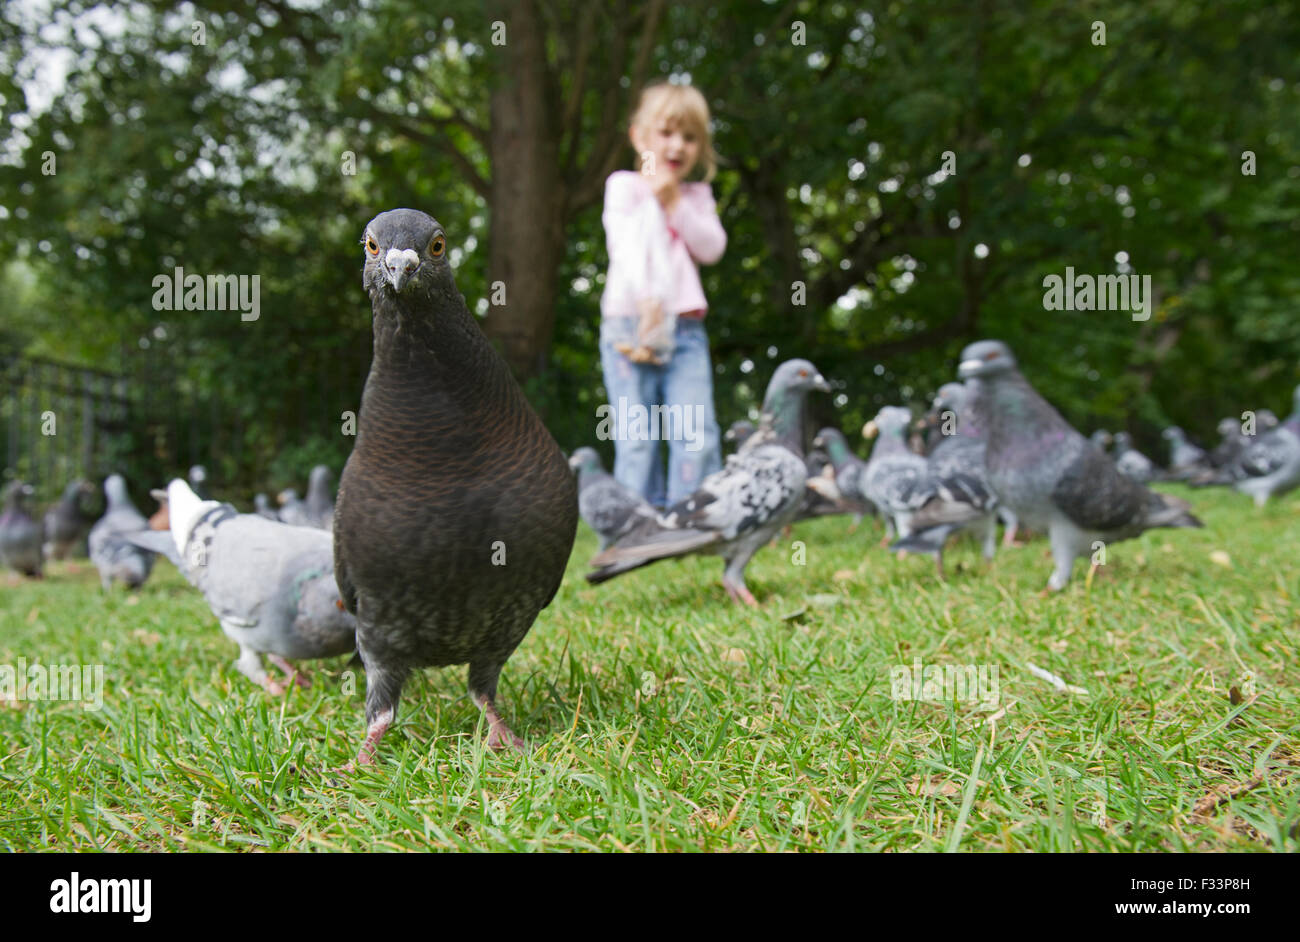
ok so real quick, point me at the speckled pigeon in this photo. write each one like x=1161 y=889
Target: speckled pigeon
x=743 y=506
x=457 y=510
x=66 y=525
x=20 y=535
x=894 y=473
x=271 y=586
x=606 y=506
x=1132 y=463
x=117 y=559
x=1052 y=476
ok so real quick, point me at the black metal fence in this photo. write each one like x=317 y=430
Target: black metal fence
x=61 y=422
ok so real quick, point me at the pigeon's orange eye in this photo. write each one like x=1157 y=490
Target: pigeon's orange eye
x=437 y=246
x=371 y=245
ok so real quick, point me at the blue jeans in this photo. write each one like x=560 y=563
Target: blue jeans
x=684 y=386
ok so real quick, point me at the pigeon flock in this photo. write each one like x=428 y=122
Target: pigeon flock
x=456 y=512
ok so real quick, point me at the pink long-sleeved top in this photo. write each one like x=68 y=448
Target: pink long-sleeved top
x=691 y=234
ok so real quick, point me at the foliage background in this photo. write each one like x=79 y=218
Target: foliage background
x=225 y=158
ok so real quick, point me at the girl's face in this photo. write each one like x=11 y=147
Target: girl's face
x=673 y=148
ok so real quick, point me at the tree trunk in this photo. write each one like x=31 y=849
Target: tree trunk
x=527 y=225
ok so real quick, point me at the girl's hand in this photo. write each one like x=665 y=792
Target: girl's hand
x=663 y=183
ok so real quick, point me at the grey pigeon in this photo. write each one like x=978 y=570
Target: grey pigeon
x=1270 y=465
x=198 y=478
x=822 y=496
x=20 y=535
x=955 y=495
x=1232 y=441
x=1261 y=456
x=1048 y=473
x=262 y=507
x=271 y=586
x=850 y=470
x=318 y=508
x=739 y=508
x=894 y=473
x=66 y=524
x=292 y=510
x=961 y=454
x=1101 y=439
x=738 y=432
x=456 y=511
x=1185 y=458
x=606 y=506
x=1132 y=463
x=949 y=505
x=117 y=559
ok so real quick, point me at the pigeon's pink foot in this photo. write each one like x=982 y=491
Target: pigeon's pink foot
x=1009 y=540
x=290 y=671
x=740 y=593
x=499 y=734
x=374 y=733
x=273 y=686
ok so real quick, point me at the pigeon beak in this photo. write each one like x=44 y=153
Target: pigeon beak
x=968 y=368
x=820 y=384
x=400 y=266
x=573 y=463
x=870 y=430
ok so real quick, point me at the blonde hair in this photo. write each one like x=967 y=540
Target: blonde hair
x=681 y=106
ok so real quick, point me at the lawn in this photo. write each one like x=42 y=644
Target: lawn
x=660 y=716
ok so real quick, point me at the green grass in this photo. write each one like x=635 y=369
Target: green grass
x=662 y=717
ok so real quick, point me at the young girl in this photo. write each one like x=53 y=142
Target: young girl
x=653 y=347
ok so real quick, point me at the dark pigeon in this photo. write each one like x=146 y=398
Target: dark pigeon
x=740 y=508
x=20 y=535
x=66 y=523
x=271 y=586
x=456 y=511
x=117 y=559
x=1049 y=474
x=606 y=506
